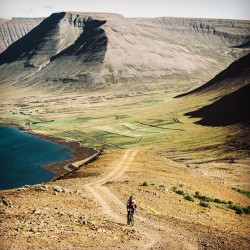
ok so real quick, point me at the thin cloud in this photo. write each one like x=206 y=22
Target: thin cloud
x=48 y=7
x=27 y=11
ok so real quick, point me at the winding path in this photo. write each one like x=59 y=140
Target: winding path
x=103 y=195
x=114 y=208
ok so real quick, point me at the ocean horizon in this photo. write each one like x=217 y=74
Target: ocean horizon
x=22 y=157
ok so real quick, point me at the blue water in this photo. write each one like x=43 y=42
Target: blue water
x=22 y=156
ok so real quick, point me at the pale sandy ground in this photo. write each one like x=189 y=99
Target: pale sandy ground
x=88 y=210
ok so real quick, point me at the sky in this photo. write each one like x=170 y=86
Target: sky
x=224 y=9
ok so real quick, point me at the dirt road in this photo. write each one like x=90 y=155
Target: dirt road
x=113 y=207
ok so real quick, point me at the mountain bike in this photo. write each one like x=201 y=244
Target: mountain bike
x=131 y=216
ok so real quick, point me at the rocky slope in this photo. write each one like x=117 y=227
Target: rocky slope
x=75 y=50
x=232 y=32
x=88 y=209
x=12 y=30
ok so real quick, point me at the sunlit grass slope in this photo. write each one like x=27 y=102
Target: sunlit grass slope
x=153 y=121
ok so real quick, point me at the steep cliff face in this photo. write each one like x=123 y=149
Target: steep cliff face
x=87 y=53
x=75 y=50
x=12 y=30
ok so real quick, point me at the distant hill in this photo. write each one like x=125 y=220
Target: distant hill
x=69 y=51
x=2 y=20
x=12 y=30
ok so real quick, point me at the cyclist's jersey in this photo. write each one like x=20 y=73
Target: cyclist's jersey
x=131 y=203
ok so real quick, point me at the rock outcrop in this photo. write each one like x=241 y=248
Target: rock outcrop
x=6 y=202
x=232 y=32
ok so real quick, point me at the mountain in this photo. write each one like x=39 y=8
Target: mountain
x=224 y=102
x=231 y=92
x=92 y=50
x=12 y=30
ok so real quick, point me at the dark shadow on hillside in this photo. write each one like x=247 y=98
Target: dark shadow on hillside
x=25 y=47
x=235 y=69
x=243 y=46
x=91 y=44
x=230 y=109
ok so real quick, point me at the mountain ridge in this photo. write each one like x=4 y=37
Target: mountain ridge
x=235 y=76
x=160 y=53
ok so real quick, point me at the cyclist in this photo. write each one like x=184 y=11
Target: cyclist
x=131 y=204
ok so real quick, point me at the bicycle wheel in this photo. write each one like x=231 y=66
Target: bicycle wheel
x=132 y=219
x=129 y=218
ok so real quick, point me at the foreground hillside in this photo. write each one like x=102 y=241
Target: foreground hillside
x=88 y=209
x=69 y=51
x=138 y=132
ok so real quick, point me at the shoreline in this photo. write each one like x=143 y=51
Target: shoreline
x=81 y=155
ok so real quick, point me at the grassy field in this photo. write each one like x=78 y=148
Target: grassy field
x=152 y=121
